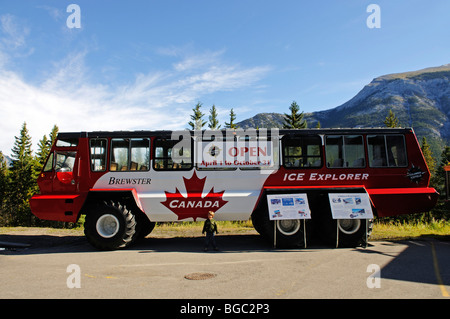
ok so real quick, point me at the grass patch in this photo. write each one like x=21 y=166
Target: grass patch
x=392 y=230
x=396 y=230
x=194 y=229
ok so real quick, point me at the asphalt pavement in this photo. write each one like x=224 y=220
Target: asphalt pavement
x=245 y=268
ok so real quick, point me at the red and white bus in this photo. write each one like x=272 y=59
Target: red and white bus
x=126 y=181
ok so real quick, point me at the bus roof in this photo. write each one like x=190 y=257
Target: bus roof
x=281 y=132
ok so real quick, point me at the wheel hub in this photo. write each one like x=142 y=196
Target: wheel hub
x=349 y=226
x=288 y=227
x=107 y=226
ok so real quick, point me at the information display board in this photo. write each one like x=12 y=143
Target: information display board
x=350 y=206
x=288 y=206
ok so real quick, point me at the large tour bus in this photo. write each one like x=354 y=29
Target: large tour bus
x=126 y=181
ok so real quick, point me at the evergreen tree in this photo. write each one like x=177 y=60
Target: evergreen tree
x=22 y=184
x=53 y=134
x=44 y=146
x=231 y=124
x=213 y=121
x=391 y=120
x=295 y=119
x=197 y=122
x=442 y=209
x=4 y=181
x=428 y=155
x=440 y=172
x=43 y=150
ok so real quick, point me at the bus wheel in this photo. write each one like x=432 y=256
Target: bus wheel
x=289 y=232
x=144 y=226
x=110 y=226
x=349 y=226
x=288 y=227
x=352 y=232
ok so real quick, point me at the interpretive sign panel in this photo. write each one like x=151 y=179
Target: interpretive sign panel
x=288 y=206
x=350 y=206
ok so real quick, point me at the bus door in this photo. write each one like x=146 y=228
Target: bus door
x=60 y=173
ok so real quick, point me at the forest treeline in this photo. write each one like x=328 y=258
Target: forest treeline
x=18 y=178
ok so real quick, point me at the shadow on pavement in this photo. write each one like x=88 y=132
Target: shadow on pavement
x=426 y=260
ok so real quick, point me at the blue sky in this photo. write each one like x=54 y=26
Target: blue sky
x=145 y=64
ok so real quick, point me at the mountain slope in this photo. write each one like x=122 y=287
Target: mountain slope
x=420 y=99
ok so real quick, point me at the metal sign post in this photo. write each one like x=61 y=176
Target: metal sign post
x=275 y=225
x=288 y=207
x=350 y=206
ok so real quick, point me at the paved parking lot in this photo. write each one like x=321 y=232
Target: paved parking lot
x=244 y=268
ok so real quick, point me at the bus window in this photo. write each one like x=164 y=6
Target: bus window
x=387 y=151
x=130 y=154
x=98 y=154
x=140 y=154
x=66 y=142
x=49 y=165
x=302 y=152
x=119 y=154
x=64 y=161
x=163 y=156
x=344 y=151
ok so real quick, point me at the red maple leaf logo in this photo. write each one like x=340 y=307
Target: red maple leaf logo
x=194 y=205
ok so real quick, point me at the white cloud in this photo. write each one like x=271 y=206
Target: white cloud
x=70 y=97
x=14 y=33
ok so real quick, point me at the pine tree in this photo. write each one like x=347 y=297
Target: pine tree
x=197 y=122
x=213 y=121
x=428 y=155
x=44 y=146
x=391 y=120
x=4 y=181
x=295 y=119
x=231 y=124
x=43 y=150
x=440 y=172
x=53 y=134
x=22 y=183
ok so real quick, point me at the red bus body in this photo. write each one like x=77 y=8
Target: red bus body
x=397 y=183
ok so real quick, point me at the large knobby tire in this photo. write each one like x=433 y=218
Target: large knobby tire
x=352 y=232
x=110 y=226
x=290 y=233
x=144 y=226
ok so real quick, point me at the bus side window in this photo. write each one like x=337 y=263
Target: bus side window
x=396 y=150
x=334 y=151
x=163 y=156
x=98 y=154
x=119 y=154
x=345 y=151
x=140 y=154
x=387 y=151
x=130 y=154
x=302 y=152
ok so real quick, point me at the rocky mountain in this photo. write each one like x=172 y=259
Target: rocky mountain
x=420 y=99
x=7 y=159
